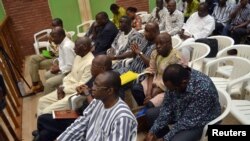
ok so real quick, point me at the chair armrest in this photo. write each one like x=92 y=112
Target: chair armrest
x=142 y=74
x=76 y=101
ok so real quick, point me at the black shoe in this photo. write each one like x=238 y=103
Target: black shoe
x=35 y=133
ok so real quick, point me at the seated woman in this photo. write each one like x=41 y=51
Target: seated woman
x=136 y=19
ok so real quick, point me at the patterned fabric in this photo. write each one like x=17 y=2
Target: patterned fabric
x=99 y=124
x=162 y=15
x=221 y=14
x=242 y=16
x=137 y=64
x=191 y=8
x=174 y=22
x=116 y=18
x=158 y=64
x=193 y=108
x=122 y=42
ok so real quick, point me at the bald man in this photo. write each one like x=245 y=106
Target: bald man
x=174 y=19
x=80 y=74
x=63 y=64
x=39 y=62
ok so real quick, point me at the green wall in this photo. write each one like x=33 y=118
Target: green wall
x=151 y=4
x=68 y=11
x=2 y=11
x=101 y=5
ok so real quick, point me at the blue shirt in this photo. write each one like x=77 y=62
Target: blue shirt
x=195 y=107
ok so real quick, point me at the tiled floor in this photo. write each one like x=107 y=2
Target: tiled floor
x=29 y=110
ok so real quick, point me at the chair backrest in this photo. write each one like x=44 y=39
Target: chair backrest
x=85 y=25
x=198 y=51
x=225 y=102
x=223 y=41
x=71 y=33
x=76 y=101
x=242 y=51
x=41 y=34
x=144 y=17
x=40 y=44
x=241 y=66
x=176 y=42
x=141 y=12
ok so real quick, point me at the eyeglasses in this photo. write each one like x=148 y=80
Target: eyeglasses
x=98 y=87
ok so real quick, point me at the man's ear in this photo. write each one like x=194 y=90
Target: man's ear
x=184 y=82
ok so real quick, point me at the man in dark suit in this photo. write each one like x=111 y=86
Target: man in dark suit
x=102 y=32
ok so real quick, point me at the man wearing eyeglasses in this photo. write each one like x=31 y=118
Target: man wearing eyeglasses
x=107 y=118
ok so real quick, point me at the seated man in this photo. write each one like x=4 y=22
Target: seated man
x=190 y=102
x=118 y=12
x=107 y=118
x=102 y=33
x=39 y=62
x=221 y=15
x=126 y=36
x=136 y=19
x=142 y=52
x=240 y=18
x=80 y=74
x=174 y=19
x=48 y=128
x=152 y=89
x=199 y=25
x=63 y=64
x=158 y=14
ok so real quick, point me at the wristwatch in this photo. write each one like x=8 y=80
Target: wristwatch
x=141 y=53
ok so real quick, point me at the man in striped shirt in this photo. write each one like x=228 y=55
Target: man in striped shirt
x=107 y=118
x=240 y=18
x=221 y=15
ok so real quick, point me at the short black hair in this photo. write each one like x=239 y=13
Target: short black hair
x=103 y=14
x=58 y=21
x=132 y=9
x=114 y=7
x=113 y=80
x=128 y=20
x=175 y=73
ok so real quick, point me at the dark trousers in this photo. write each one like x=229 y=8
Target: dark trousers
x=138 y=93
x=237 y=34
x=49 y=129
x=218 y=29
x=186 y=135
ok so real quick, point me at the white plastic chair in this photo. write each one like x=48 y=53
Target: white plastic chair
x=141 y=12
x=71 y=33
x=196 y=52
x=241 y=67
x=176 y=42
x=76 y=101
x=144 y=17
x=41 y=44
x=225 y=102
x=223 y=41
x=85 y=24
x=240 y=109
x=242 y=51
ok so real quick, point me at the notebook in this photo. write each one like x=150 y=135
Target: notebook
x=128 y=77
x=46 y=54
x=65 y=114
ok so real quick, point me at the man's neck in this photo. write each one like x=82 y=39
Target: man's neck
x=108 y=103
x=127 y=31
